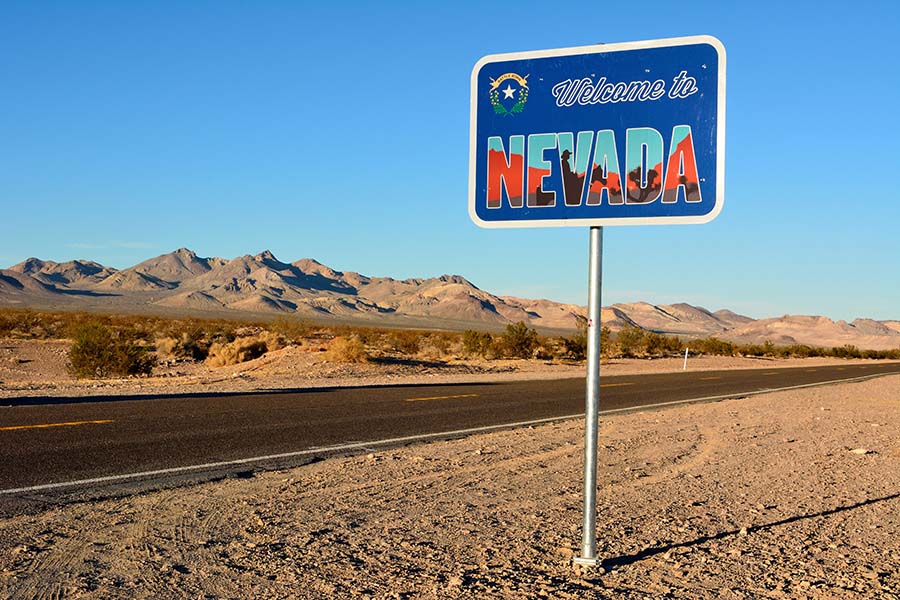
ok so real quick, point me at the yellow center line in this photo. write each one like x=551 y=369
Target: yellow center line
x=811 y=370
x=614 y=384
x=772 y=373
x=48 y=425
x=441 y=397
x=709 y=378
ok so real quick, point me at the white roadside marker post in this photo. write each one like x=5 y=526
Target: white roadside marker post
x=684 y=368
x=588 y=556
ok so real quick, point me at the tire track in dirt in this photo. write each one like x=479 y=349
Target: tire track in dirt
x=49 y=576
x=208 y=533
x=457 y=472
x=708 y=442
x=137 y=545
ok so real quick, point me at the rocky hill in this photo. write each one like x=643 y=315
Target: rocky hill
x=258 y=285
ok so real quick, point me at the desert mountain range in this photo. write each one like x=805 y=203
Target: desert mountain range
x=181 y=282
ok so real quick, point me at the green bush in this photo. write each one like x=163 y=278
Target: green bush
x=477 y=343
x=575 y=347
x=631 y=342
x=713 y=346
x=405 y=342
x=752 y=350
x=443 y=341
x=800 y=351
x=518 y=341
x=881 y=354
x=99 y=352
x=846 y=351
x=662 y=345
x=606 y=344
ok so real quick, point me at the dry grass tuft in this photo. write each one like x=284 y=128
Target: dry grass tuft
x=347 y=349
x=167 y=348
x=243 y=349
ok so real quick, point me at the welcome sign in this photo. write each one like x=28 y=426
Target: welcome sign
x=617 y=134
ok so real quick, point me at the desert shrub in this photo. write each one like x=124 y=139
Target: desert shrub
x=799 y=351
x=751 y=350
x=713 y=346
x=291 y=329
x=99 y=352
x=846 y=351
x=194 y=344
x=273 y=341
x=544 y=351
x=575 y=347
x=236 y=352
x=438 y=345
x=765 y=349
x=606 y=343
x=443 y=342
x=630 y=341
x=243 y=349
x=24 y=324
x=881 y=354
x=662 y=345
x=653 y=343
x=405 y=342
x=167 y=348
x=7 y=324
x=191 y=345
x=369 y=336
x=347 y=349
x=477 y=343
x=518 y=341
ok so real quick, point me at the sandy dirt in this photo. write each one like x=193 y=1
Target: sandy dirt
x=33 y=367
x=786 y=495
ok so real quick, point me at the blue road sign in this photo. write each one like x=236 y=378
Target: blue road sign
x=615 y=134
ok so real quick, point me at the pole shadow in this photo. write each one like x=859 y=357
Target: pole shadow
x=624 y=561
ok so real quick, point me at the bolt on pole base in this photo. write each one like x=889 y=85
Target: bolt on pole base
x=586 y=562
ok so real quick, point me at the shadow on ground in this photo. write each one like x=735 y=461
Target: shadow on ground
x=623 y=561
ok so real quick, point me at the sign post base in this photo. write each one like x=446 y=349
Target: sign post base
x=586 y=562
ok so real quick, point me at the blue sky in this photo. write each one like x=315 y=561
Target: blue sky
x=339 y=131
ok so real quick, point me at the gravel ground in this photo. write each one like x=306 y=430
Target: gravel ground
x=786 y=495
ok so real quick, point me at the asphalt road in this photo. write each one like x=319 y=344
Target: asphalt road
x=49 y=441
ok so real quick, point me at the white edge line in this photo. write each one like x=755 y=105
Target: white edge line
x=743 y=394
x=317 y=450
x=414 y=438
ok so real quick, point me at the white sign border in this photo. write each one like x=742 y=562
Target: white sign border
x=598 y=49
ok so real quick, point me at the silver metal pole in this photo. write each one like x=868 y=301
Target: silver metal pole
x=588 y=555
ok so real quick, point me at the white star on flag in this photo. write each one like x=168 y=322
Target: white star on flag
x=508 y=91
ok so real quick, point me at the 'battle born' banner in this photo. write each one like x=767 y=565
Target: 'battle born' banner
x=618 y=134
